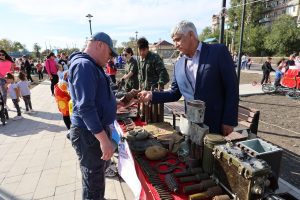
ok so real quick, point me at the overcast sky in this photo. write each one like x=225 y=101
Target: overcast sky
x=62 y=23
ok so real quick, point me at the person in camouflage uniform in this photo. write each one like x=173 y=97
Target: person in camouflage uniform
x=131 y=71
x=152 y=69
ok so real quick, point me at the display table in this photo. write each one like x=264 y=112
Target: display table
x=149 y=192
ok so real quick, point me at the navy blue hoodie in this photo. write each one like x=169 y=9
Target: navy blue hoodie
x=94 y=105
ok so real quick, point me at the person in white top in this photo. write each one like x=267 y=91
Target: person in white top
x=244 y=61
x=23 y=86
x=13 y=91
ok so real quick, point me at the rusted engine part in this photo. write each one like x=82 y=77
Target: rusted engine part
x=159 y=129
x=129 y=96
x=242 y=175
x=210 y=140
x=165 y=134
x=200 y=187
x=170 y=167
x=195 y=110
x=188 y=172
x=154 y=179
x=191 y=150
x=221 y=197
x=211 y=192
x=136 y=134
x=140 y=146
x=266 y=151
x=156 y=153
x=171 y=183
x=152 y=113
x=197 y=177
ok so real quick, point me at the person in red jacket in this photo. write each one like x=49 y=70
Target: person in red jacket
x=111 y=69
x=51 y=68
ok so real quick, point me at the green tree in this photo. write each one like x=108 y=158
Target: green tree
x=17 y=46
x=131 y=43
x=254 y=12
x=11 y=46
x=208 y=33
x=254 y=33
x=36 y=49
x=6 y=45
x=254 y=37
x=284 y=37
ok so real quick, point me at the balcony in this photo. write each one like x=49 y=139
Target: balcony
x=264 y=20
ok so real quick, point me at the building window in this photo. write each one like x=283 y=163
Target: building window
x=283 y=11
x=294 y=8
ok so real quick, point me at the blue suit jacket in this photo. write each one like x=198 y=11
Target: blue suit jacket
x=216 y=85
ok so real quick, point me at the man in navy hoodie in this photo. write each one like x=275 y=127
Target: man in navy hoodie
x=204 y=72
x=94 y=109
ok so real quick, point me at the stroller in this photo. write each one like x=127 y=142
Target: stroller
x=3 y=110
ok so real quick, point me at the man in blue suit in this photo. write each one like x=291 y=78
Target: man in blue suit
x=204 y=72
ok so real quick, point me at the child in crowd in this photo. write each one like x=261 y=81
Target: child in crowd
x=62 y=98
x=60 y=72
x=23 y=86
x=14 y=93
x=39 y=69
x=278 y=75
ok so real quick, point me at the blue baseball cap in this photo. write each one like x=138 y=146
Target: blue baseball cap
x=103 y=37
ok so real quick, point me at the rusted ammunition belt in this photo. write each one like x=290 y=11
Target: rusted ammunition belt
x=154 y=179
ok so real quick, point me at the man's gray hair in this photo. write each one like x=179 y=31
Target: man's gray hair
x=184 y=27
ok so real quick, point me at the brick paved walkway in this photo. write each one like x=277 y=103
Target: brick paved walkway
x=36 y=159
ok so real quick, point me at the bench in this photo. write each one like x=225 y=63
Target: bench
x=248 y=118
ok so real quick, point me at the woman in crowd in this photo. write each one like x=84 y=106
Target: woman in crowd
x=111 y=69
x=51 y=68
x=131 y=71
x=6 y=66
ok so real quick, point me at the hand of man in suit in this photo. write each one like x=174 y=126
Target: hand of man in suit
x=226 y=129
x=145 y=96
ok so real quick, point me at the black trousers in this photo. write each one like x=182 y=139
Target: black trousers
x=265 y=77
x=27 y=102
x=41 y=76
x=92 y=167
x=29 y=76
x=54 y=81
x=67 y=121
x=16 y=104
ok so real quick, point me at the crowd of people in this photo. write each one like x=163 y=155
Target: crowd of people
x=81 y=85
x=283 y=65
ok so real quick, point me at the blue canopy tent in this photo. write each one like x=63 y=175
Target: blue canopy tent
x=211 y=40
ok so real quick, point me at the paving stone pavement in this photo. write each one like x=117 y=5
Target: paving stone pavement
x=37 y=161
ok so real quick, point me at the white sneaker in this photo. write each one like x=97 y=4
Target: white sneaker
x=27 y=112
x=17 y=118
x=32 y=111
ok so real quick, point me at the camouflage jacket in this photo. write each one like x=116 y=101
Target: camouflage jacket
x=133 y=81
x=152 y=72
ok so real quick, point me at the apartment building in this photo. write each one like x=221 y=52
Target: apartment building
x=276 y=8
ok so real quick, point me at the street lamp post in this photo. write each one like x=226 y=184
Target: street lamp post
x=241 y=41
x=136 y=34
x=137 y=52
x=221 y=38
x=235 y=26
x=89 y=16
